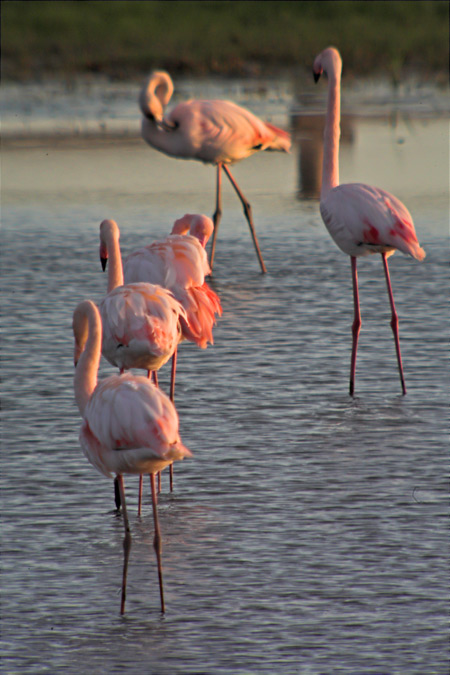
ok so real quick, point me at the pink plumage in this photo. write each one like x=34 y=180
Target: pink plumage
x=212 y=131
x=360 y=218
x=129 y=425
x=141 y=320
x=179 y=263
x=363 y=219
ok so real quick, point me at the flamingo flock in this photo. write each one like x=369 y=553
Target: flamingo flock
x=158 y=296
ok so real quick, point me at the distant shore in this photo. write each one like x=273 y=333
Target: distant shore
x=123 y=40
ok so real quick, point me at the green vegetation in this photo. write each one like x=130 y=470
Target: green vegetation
x=125 y=39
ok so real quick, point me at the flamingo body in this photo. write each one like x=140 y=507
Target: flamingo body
x=130 y=426
x=363 y=219
x=214 y=131
x=140 y=326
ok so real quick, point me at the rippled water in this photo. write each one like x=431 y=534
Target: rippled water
x=308 y=533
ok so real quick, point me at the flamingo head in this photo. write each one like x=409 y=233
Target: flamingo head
x=155 y=95
x=108 y=230
x=328 y=61
x=199 y=226
x=182 y=225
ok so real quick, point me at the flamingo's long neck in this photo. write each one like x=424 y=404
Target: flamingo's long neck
x=330 y=169
x=85 y=379
x=115 y=268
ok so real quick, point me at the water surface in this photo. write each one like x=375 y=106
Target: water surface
x=308 y=533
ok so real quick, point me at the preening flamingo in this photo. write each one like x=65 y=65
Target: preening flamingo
x=214 y=132
x=141 y=326
x=360 y=218
x=129 y=425
x=179 y=263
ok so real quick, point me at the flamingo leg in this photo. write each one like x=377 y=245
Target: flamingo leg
x=217 y=213
x=172 y=376
x=117 y=493
x=126 y=543
x=172 y=396
x=140 y=494
x=157 y=540
x=248 y=215
x=394 y=322
x=356 y=327
x=155 y=380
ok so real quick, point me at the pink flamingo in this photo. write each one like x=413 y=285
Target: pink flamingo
x=214 y=132
x=141 y=321
x=129 y=425
x=179 y=263
x=360 y=218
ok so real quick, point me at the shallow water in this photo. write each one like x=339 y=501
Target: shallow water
x=307 y=535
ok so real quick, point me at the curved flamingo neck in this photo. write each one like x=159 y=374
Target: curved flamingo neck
x=332 y=132
x=87 y=328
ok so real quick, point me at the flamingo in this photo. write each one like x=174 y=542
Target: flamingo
x=360 y=218
x=141 y=321
x=129 y=425
x=179 y=263
x=214 y=132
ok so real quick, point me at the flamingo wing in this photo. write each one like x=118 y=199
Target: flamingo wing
x=363 y=219
x=221 y=131
x=178 y=260
x=130 y=426
x=140 y=326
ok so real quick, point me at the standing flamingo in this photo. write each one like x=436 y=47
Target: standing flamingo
x=179 y=263
x=141 y=321
x=214 y=132
x=360 y=218
x=129 y=425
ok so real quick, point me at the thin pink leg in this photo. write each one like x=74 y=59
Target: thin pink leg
x=172 y=377
x=126 y=543
x=140 y=494
x=217 y=213
x=248 y=215
x=172 y=396
x=156 y=383
x=157 y=540
x=394 y=322
x=356 y=325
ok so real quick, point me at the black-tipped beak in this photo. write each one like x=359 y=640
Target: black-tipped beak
x=316 y=76
x=103 y=261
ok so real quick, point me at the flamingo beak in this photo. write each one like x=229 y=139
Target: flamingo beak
x=316 y=76
x=104 y=263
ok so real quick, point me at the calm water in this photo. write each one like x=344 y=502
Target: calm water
x=308 y=533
